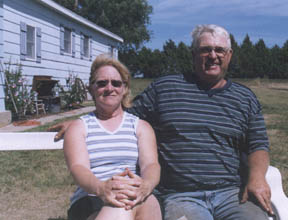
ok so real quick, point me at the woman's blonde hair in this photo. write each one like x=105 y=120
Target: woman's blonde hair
x=105 y=60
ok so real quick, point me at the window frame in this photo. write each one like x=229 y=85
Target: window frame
x=86 y=46
x=67 y=40
x=26 y=43
x=31 y=42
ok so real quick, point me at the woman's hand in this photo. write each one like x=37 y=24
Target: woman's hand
x=108 y=195
x=131 y=191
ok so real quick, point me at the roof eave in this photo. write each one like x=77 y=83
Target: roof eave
x=64 y=11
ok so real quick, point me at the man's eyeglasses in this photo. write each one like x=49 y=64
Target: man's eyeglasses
x=220 y=51
x=104 y=83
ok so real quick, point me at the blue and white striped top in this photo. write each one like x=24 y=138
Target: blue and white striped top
x=110 y=152
x=201 y=134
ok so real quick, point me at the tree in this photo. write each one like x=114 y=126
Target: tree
x=70 y=4
x=158 y=64
x=246 y=58
x=184 y=59
x=151 y=63
x=276 y=60
x=261 y=59
x=284 y=63
x=234 y=67
x=279 y=62
x=170 y=56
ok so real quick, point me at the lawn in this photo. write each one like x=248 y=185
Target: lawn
x=273 y=96
x=36 y=184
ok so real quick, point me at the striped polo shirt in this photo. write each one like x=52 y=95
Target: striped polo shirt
x=201 y=134
x=110 y=152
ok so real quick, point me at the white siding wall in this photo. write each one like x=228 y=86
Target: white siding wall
x=2 y=95
x=52 y=62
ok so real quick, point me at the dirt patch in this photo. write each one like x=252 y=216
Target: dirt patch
x=272 y=118
x=280 y=86
x=35 y=205
x=26 y=123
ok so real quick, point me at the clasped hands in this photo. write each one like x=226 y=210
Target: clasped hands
x=125 y=190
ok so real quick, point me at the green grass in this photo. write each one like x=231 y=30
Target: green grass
x=28 y=169
x=138 y=85
x=44 y=173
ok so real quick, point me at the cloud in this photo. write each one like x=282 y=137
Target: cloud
x=178 y=11
x=174 y=19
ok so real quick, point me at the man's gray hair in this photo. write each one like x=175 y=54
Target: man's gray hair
x=209 y=28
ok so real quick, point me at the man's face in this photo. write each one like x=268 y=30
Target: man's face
x=212 y=57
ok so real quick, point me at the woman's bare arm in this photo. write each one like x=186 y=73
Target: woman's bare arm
x=78 y=163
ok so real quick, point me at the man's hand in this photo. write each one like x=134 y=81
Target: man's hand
x=61 y=128
x=257 y=186
x=261 y=190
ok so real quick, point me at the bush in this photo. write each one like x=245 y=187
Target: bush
x=18 y=98
x=74 y=92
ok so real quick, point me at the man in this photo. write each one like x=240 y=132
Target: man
x=208 y=130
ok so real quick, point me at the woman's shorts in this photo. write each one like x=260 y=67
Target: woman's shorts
x=84 y=207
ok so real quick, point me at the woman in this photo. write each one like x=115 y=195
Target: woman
x=111 y=154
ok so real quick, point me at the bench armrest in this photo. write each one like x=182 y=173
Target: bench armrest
x=278 y=197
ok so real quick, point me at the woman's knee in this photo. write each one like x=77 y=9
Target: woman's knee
x=113 y=213
x=150 y=209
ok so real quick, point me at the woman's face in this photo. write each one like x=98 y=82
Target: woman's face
x=108 y=88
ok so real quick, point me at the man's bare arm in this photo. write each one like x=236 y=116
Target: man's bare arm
x=61 y=128
x=257 y=185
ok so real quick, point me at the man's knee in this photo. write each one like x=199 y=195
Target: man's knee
x=251 y=211
x=245 y=211
x=175 y=210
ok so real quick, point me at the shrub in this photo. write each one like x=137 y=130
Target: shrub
x=18 y=98
x=74 y=92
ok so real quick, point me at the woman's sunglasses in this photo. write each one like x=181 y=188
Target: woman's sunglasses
x=104 y=83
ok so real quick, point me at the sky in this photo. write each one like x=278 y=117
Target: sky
x=260 y=19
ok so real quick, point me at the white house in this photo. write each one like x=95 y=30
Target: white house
x=48 y=39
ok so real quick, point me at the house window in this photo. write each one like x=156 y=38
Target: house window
x=30 y=43
x=86 y=46
x=67 y=40
x=112 y=52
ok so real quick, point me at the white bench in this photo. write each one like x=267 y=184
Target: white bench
x=45 y=141
x=10 y=141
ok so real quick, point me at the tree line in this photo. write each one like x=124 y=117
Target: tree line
x=130 y=20
x=248 y=61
